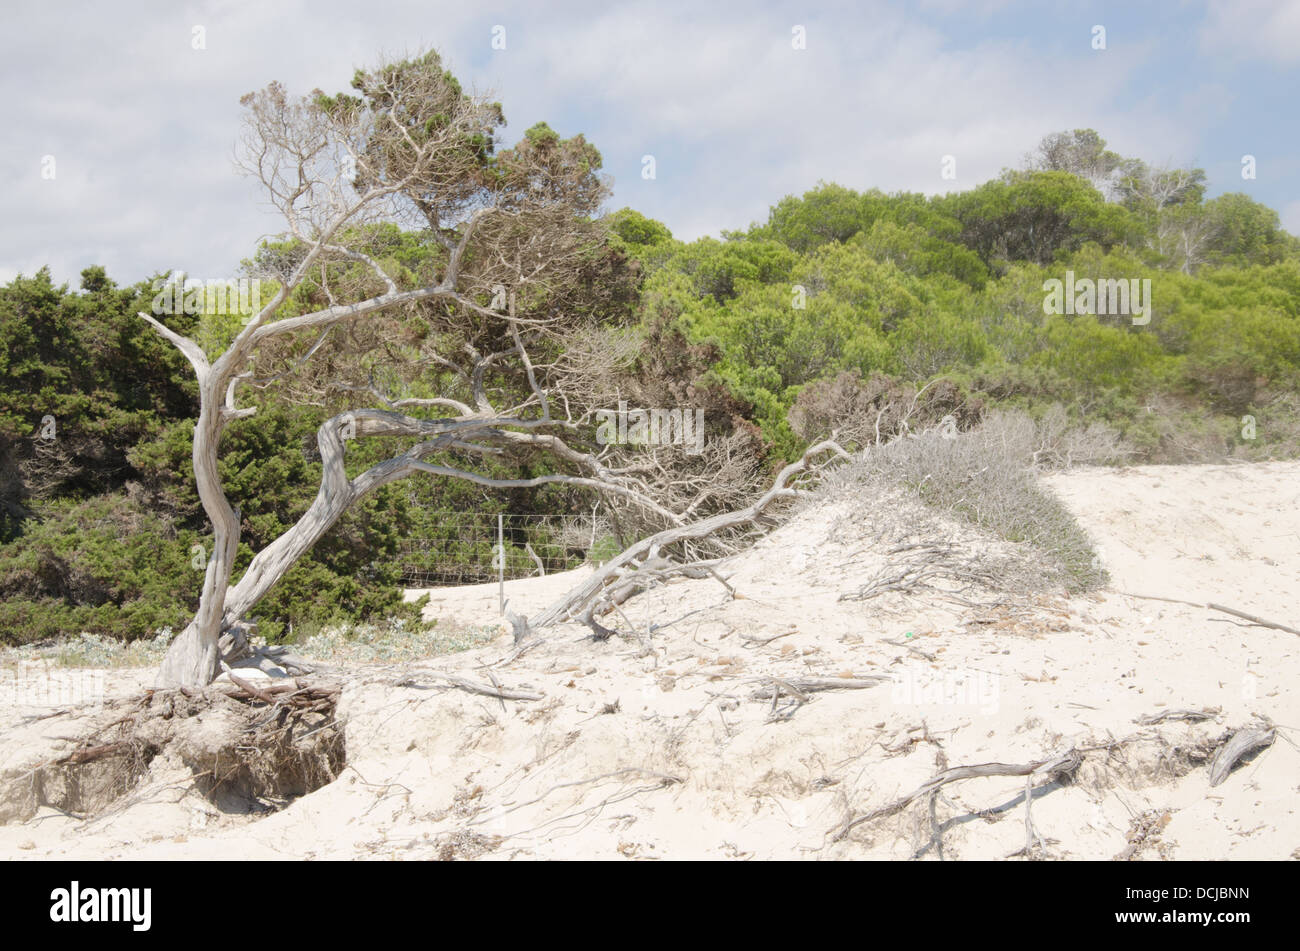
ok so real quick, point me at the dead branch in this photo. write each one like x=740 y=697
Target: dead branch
x=798 y=689
x=924 y=655
x=470 y=686
x=541 y=568
x=1252 y=619
x=1063 y=764
x=1156 y=597
x=518 y=624
x=1262 y=622
x=1034 y=844
x=650 y=573
x=762 y=641
x=644 y=552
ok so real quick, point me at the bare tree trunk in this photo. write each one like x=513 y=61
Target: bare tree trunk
x=192 y=659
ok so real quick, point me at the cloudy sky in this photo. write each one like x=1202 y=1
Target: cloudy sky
x=138 y=127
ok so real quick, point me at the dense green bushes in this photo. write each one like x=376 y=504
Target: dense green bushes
x=105 y=565
x=80 y=362
x=913 y=288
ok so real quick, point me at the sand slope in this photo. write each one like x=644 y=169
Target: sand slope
x=675 y=751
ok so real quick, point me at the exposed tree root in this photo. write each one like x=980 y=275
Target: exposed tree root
x=247 y=748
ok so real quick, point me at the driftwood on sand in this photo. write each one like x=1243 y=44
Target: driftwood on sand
x=1243 y=742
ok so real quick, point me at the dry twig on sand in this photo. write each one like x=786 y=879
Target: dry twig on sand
x=1262 y=622
x=471 y=686
x=1191 y=716
x=1251 y=618
x=799 y=687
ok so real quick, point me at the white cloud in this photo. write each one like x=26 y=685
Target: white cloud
x=1267 y=29
x=143 y=126
x=874 y=102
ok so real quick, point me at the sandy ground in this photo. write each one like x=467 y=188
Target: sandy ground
x=669 y=745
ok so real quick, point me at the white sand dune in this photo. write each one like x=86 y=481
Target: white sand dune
x=668 y=753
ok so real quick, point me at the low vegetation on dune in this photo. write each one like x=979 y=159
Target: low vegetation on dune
x=987 y=477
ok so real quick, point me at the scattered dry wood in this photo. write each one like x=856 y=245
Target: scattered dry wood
x=1144 y=831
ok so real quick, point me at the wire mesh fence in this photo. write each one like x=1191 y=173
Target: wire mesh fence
x=466 y=548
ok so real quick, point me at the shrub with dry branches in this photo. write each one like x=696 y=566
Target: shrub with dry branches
x=984 y=476
x=869 y=412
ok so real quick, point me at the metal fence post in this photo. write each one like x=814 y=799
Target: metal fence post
x=501 y=562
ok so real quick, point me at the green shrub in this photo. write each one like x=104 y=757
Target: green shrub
x=104 y=566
